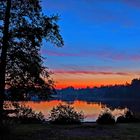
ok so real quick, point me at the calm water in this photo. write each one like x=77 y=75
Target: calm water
x=91 y=110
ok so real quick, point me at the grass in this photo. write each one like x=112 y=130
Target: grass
x=85 y=131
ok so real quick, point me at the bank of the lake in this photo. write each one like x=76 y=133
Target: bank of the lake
x=91 y=110
x=85 y=131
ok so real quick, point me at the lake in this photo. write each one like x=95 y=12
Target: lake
x=91 y=110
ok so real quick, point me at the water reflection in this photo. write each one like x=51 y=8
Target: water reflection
x=91 y=110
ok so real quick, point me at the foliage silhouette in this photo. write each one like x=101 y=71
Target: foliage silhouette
x=127 y=117
x=106 y=118
x=121 y=92
x=23 y=27
x=65 y=114
x=25 y=114
x=7 y=126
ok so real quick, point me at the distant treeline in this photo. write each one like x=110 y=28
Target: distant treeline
x=127 y=91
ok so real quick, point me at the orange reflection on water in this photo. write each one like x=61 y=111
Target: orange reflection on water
x=90 y=110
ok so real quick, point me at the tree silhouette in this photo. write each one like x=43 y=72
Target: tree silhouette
x=106 y=118
x=23 y=27
x=65 y=114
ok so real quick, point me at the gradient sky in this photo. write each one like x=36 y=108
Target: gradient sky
x=102 y=42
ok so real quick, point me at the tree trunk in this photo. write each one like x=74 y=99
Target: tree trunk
x=3 y=57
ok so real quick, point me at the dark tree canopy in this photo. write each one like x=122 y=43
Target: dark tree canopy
x=26 y=30
x=65 y=114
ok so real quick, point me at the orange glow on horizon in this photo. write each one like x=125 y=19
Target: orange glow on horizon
x=90 y=80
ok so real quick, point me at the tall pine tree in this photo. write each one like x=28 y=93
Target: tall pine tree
x=23 y=27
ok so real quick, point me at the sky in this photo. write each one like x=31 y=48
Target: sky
x=101 y=42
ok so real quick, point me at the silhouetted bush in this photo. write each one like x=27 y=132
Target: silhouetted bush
x=6 y=127
x=65 y=114
x=127 y=117
x=106 y=118
x=27 y=115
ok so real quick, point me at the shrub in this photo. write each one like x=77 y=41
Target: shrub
x=6 y=128
x=127 y=117
x=65 y=114
x=27 y=115
x=106 y=118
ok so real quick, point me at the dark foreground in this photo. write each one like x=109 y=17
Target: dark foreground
x=85 y=131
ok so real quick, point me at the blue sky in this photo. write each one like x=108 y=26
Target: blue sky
x=101 y=37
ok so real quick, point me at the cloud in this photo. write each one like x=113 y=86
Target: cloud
x=85 y=67
x=90 y=10
x=91 y=72
x=60 y=54
x=101 y=54
x=132 y=3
